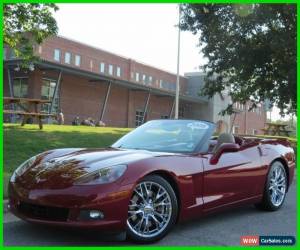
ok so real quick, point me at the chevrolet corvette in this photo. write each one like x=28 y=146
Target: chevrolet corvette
x=162 y=173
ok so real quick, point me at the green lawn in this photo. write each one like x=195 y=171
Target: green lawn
x=20 y=143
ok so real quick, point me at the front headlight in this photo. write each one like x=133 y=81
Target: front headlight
x=23 y=168
x=102 y=176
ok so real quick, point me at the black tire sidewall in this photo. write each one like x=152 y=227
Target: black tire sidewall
x=161 y=181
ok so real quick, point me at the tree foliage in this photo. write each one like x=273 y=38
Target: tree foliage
x=25 y=25
x=251 y=50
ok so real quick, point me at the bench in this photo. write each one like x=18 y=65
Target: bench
x=31 y=108
x=26 y=115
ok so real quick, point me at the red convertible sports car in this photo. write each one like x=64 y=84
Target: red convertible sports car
x=161 y=173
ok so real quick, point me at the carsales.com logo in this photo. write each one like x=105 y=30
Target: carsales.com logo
x=255 y=240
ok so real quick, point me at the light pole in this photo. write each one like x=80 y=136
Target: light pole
x=178 y=59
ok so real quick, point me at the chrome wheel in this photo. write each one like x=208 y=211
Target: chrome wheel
x=150 y=209
x=277 y=185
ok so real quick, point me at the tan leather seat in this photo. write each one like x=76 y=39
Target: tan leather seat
x=224 y=138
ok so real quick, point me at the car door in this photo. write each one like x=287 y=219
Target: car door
x=237 y=176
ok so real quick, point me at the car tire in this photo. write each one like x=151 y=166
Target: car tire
x=152 y=210
x=276 y=186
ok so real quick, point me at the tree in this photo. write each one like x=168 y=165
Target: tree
x=251 y=50
x=25 y=25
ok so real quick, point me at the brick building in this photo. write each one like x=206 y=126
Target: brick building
x=248 y=122
x=89 y=82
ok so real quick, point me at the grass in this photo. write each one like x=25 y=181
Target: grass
x=20 y=143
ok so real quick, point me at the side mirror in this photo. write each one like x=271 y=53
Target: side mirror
x=224 y=148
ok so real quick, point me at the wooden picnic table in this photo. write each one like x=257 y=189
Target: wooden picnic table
x=280 y=129
x=29 y=108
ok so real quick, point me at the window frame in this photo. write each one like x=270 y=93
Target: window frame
x=181 y=111
x=100 y=67
x=46 y=106
x=150 y=80
x=137 y=76
x=75 y=60
x=118 y=71
x=59 y=55
x=19 y=78
x=144 y=77
x=139 y=116
x=70 y=58
x=161 y=83
x=111 y=69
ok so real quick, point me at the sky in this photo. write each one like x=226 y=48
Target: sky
x=143 y=32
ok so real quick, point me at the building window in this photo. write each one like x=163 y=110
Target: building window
x=20 y=87
x=102 y=67
x=150 y=79
x=68 y=57
x=168 y=85
x=172 y=86
x=181 y=112
x=164 y=117
x=57 y=55
x=110 y=69
x=144 y=78
x=137 y=77
x=77 y=60
x=254 y=131
x=139 y=115
x=235 y=130
x=118 y=71
x=160 y=83
x=40 y=49
x=47 y=92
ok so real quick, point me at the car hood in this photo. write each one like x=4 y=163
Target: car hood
x=63 y=168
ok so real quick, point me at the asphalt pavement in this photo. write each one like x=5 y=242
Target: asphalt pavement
x=221 y=229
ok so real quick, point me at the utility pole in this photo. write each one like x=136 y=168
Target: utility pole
x=178 y=59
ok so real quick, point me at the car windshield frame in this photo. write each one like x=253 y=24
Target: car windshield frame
x=200 y=147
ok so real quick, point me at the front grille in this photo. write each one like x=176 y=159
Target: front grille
x=43 y=212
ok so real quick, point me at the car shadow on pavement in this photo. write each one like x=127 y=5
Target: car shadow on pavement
x=48 y=236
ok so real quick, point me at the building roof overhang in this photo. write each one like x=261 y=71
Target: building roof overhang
x=94 y=77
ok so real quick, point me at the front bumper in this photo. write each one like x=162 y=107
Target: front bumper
x=63 y=207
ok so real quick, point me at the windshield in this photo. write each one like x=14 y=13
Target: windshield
x=185 y=136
